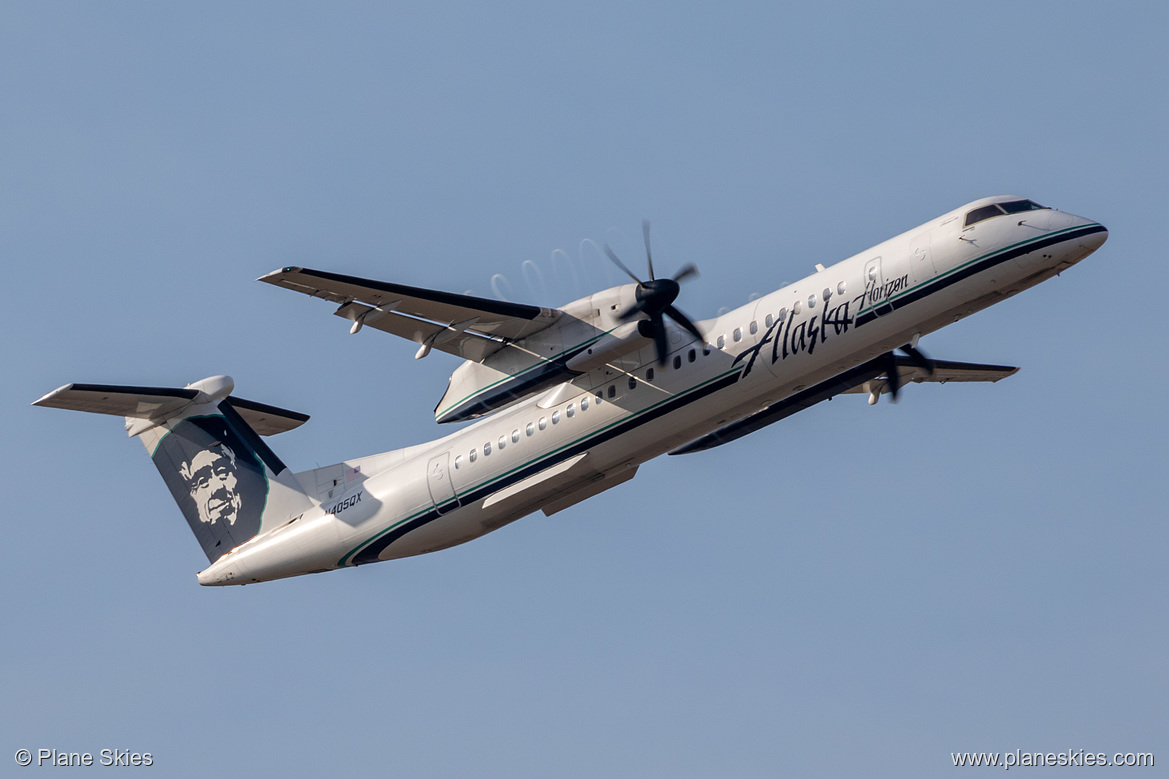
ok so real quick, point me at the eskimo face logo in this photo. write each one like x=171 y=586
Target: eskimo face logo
x=213 y=484
x=217 y=479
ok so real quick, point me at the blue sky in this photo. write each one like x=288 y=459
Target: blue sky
x=854 y=591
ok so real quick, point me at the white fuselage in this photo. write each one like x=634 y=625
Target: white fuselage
x=577 y=439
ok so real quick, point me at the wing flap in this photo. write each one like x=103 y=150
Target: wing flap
x=536 y=486
x=595 y=487
x=462 y=342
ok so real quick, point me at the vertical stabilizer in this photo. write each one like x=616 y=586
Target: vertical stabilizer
x=228 y=482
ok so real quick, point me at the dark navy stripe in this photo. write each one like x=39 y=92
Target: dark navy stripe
x=117 y=389
x=371 y=552
x=888 y=307
x=791 y=405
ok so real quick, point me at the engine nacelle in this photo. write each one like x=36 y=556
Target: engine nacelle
x=613 y=345
x=589 y=334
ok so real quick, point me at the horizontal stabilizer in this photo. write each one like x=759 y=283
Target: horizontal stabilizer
x=137 y=402
x=265 y=419
x=158 y=403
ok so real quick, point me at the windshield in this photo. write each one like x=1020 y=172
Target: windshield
x=998 y=209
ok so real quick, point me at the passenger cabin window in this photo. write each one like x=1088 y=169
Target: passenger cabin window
x=502 y=442
x=543 y=423
x=649 y=375
x=632 y=382
x=584 y=403
x=486 y=448
x=722 y=341
x=570 y=411
x=458 y=462
x=612 y=391
x=474 y=455
x=738 y=334
x=530 y=429
x=677 y=361
x=770 y=320
x=556 y=417
x=692 y=355
x=754 y=327
x=515 y=436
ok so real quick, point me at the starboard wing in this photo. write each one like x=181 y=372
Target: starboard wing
x=945 y=371
x=868 y=378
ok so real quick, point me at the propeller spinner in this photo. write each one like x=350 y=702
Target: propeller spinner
x=656 y=297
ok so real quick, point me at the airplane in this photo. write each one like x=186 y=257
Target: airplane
x=569 y=402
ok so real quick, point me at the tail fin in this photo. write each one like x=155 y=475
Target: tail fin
x=206 y=445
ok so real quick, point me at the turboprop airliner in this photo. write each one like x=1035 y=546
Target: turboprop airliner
x=565 y=403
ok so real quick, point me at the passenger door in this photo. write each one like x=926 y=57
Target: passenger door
x=438 y=481
x=875 y=300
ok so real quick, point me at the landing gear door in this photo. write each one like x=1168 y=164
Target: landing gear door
x=438 y=481
x=875 y=301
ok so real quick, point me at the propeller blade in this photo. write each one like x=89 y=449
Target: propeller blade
x=686 y=272
x=659 y=328
x=631 y=312
x=684 y=320
x=620 y=264
x=892 y=375
x=919 y=358
x=648 y=256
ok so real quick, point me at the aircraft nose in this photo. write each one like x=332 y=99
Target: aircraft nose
x=1097 y=239
x=1090 y=234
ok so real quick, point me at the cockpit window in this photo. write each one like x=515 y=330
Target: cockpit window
x=1018 y=206
x=998 y=209
x=986 y=212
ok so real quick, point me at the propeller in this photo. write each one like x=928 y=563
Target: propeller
x=656 y=297
x=893 y=372
x=917 y=357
